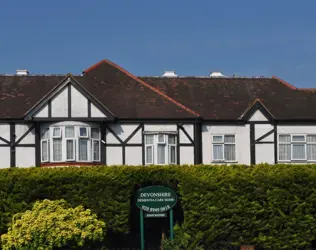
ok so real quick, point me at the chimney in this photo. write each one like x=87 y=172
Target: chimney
x=216 y=74
x=169 y=74
x=22 y=72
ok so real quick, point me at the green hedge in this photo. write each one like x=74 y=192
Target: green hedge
x=270 y=206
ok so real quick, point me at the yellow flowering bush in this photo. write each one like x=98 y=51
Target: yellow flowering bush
x=51 y=225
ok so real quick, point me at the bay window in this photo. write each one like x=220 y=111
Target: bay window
x=70 y=143
x=160 y=149
x=297 y=147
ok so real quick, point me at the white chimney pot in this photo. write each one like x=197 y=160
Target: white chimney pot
x=22 y=72
x=170 y=74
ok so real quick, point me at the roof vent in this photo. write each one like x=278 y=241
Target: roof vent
x=169 y=74
x=216 y=74
x=22 y=72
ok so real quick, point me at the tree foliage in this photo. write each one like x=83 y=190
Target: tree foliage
x=52 y=225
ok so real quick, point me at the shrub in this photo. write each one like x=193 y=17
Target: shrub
x=270 y=206
x=51 y=225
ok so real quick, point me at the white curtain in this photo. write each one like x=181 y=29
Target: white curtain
x=57 y=149
x=83 y=149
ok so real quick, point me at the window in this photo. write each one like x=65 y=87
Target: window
x=297 y=147
x=70 y=143
x=224 y=148
x=160 y=149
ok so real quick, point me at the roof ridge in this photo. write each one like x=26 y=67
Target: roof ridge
x=285 y=83
x=143 y=83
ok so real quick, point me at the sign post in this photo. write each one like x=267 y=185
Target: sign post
x=142 y=236
x=155 y=201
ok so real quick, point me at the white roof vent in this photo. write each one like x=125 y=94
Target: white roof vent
x=216 y=74
x=169 y=74
x=22 y=72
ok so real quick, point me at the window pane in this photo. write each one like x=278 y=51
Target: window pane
x=285 y=152
x=45 y=133
x=83 y=150
x=56 y=132
x=44 y=150
x=161 y=154
x=70 y=149
x=311 y=138
x=229 y=138
x=161 y=138
x=172 y=152
x=57 y=150
x=217 y=138
x=171 y=139
x=95 y=134
x=218 y=152
x=298 y=151
x=70 y=132
x=311 y=152
x=83 y=132
x=299 y=138
x=96 y=150
x=285 y=138
x=149 y=154
x=149 y=139
x=229 y=152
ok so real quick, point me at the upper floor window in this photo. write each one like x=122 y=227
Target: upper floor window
x=297 y=147
x=70 y=143
x=160 y=149
x=224 y=148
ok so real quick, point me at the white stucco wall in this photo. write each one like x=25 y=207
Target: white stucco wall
x=43 y=112
x=122 y=131
x=79 y=104
x=4 y=157
x=133 y=155
x=189 y=128
x=296 y=129
x=21 y=129
x=59 y=104
x=186 y=155
x=265 y=153
x=25 y=156
x=4 y=132
x=258 y=116
x=261 y=129
x=242 y=140
x=160 y=127
x=114 y=156
x=95 y=112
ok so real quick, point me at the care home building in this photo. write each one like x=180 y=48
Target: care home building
x=109 y=116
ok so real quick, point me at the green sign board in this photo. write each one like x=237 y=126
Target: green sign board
x=156 y=199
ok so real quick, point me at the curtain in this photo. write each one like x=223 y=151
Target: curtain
x=96 y=150
x=229 y=152
x=57 y=149
x=218 y=151
x=161 y=153
x=83 y=149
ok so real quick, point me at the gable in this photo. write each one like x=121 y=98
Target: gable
x=68 y=100
x=258 y=116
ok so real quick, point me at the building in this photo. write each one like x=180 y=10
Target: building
x=109 y=116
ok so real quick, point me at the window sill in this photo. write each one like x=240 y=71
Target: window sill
x=297 y=161
x=69 y=164
x=224 y=162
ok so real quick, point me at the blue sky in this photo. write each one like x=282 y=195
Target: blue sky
x=246 y=37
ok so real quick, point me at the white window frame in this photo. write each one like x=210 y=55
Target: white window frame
x=167 y=148
x=223 y=143
x=293 y=143
x=151 y=145
x=170 y=145
x=92 y=145
x=48 y=154
x=83 y=136
x=298 y=143
x=56 y=136
x=74 y=144
x=75 y=139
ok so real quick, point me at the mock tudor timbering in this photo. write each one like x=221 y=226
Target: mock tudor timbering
x=109 y=116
